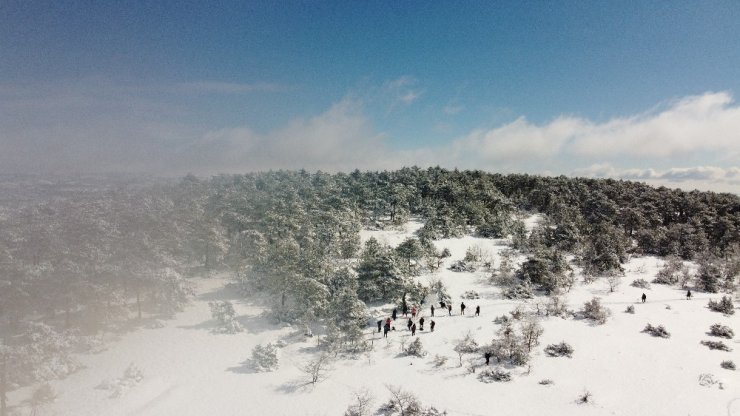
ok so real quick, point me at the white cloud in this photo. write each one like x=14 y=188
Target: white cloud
x=341 y=138
x=701 y=177
x=703 y=123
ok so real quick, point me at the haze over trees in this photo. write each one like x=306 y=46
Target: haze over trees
x=95 y=255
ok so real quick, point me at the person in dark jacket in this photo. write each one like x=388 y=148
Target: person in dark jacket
x=462 y=308
x=394 y=315
x=421 y=323
x=431 y=325
x=413 y=330
x=644 y=298
x=405 y=309
x=477 y=310
x=432 y=310
x=688 y=294
x=449 y=309
x=488 y=357
x=409 y=323
x=380 y=324
x=386 y=329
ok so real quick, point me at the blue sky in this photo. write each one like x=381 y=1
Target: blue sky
x=639 y=90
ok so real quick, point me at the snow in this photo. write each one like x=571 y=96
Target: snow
x=190 y=369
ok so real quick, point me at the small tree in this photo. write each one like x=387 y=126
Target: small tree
x=415 y=348
x=317 y=369
x=264 y=358
x=594 y=311
x=531 y=332
x=362 y=405
x=224 y=313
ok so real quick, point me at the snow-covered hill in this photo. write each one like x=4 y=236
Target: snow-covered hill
x=188 y=369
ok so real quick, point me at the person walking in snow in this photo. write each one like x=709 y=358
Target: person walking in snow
x=386 y=329
x=431 y=325
x=413 y=330
x=380 y=323
x=644 y=297
x=462 y=308
x=688 y=294
x=449 y=309
x=409 y=323
x=421 y=323
x=404 y=309
x=477 y=310
x=488 y=357
x=413 y=311
x=388 y=321
x=432 y=310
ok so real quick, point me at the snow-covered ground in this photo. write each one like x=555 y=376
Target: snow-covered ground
x=190 y=370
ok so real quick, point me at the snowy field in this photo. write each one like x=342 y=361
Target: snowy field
x=187 y=369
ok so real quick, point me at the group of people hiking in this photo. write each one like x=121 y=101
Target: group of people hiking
x=411 y=323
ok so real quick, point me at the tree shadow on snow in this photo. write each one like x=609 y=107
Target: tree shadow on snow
x=294 y=386
x=226 y=292
x=245 y=367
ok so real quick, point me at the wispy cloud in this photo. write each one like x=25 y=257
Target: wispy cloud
x=452 y=109
x=401 y=92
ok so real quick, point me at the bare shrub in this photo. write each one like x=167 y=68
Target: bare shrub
x=630 y=309
x=728 y=365
x=723 y=331
x=641 y=283
x=559 y=350
x=724 y=306
x=716 y=345
x=362 y=404
x=489 y=375
x=403 y=403
x=317 y=369
x=657 y=331
x=584 y=398
x=546 y=382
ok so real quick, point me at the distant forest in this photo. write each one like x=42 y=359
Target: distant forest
x=76 y=259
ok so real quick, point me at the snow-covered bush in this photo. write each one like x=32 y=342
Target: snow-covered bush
x=519 y=291
x=403 y=403
x=559 y=350
x=671 y=272
x=657 y=331
x=223 y=312
x=47 y=355
x=556 y=307
x=724 y=306
x=439 y=360
x=723 y=331
x=503 y=319
x=728 y=365
x=415 y=348
x=716 y=345
x=362 y=405
x=594 y=311
x=118 y=387
x=630 y=309
x=462 y=266
x=489 y=375
x=264 y=358
x=470 y=294
x=546 y=382
x=641 y=283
